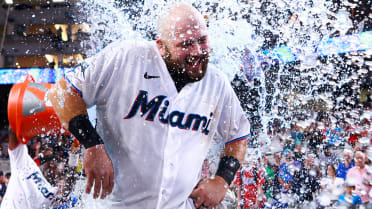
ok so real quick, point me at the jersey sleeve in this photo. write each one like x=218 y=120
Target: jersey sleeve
x=28 y=177
x=91 y=77
x=233 y=124
x=20 y=159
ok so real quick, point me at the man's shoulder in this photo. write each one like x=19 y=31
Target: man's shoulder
x=216 y=75
x=132 y=45
x=214 y=70
x=18 y=151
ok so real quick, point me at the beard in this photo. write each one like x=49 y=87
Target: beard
x=182 y=70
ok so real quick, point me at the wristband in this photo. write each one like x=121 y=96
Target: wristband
x=227 y=168
x=83 y=130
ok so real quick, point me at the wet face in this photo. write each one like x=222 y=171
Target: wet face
x=185 y=48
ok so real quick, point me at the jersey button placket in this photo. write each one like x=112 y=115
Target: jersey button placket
x=169 y=160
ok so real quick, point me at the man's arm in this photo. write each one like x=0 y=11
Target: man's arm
x=236 y=149
x=211 y=192
x=13 y=141
x=67 y=103
x=71 y=111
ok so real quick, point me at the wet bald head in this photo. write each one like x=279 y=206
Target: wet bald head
x=183 y=43
x=177 y=19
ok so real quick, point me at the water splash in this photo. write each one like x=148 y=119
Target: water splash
x=291 y=92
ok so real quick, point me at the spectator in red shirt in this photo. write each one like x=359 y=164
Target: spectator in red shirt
x=249 y=180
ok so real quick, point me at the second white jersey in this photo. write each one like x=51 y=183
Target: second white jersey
x=157 y=137
x=27 y=187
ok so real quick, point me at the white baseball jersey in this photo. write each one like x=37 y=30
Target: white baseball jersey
x=156 y=137
x=27 y=187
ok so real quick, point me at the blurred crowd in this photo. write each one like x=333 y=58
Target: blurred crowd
x=323 y=163
x=320 y=164
x=4 y=144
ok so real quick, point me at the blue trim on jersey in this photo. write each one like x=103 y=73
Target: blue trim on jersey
x=74 y=87
x=70 y=204
x=237 y=139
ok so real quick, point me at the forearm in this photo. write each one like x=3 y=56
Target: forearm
x=71 y=111
x=231 y=160
x=13 y=142
x=236 y=149
x=66 y=102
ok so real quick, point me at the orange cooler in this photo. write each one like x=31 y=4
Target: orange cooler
x=28 y=114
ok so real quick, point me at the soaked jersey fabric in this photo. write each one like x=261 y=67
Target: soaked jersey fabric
x=156 y=137
x=27 y=188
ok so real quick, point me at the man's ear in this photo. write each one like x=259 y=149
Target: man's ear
x=161 y=47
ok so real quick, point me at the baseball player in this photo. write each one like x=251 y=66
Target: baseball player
x=158 y=107
x=28 y=188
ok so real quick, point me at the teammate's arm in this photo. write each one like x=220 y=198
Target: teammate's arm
x=71 y=111
x=13 y=141
x=211 y=192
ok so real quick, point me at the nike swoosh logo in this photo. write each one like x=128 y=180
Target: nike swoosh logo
x=150 y=76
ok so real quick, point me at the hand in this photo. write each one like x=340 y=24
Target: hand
x=99 y=169
x=209 y=193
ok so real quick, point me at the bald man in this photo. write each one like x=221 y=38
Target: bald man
x=158 y=107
